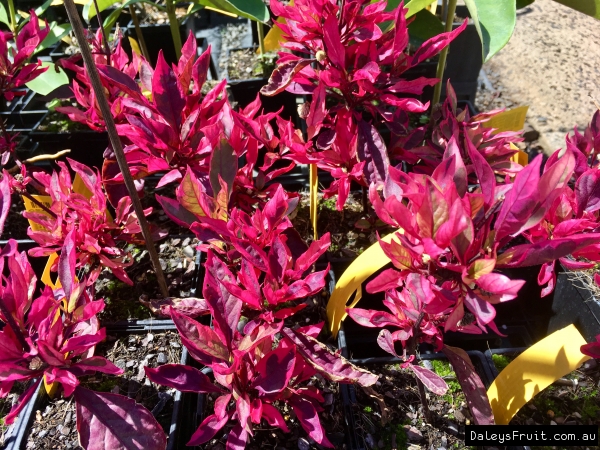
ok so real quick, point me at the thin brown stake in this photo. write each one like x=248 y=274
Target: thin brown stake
x=138 y=33
x=115 y=141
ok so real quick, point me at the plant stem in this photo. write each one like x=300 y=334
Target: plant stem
x=365 y=203
x=261 y=38
x=426 y=411
x=10 y=320
x=174 y=27
x=13 y=17
x=437 y=93
x=92 y=71
x=138 y=33
x=103 y=31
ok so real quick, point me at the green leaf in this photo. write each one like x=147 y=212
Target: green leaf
x=57 y=32
x=425 y=26
x=42 y=9
x=414 y=6
x=111 y=19
x=4 y=15
x=524 y=3
x=495 y=23
x=250 y=9
x=89 y=10
x=51 y=79
x=589 y=7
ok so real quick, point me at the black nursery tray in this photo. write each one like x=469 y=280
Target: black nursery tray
x=178 y=431
x=355 y=440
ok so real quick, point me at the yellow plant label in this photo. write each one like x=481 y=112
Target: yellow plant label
x=509 y=120
x=32 y=207
x=314 y=198
x=274 y=37
x=47 y=274
x=51 y=388
x=367 y=263
x=534 y=370
x=520 y=157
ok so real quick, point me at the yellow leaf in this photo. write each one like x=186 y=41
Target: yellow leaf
x=274 y=37
x=520 y=157
x=50 y=388
x=533 y=370
x=47 y=274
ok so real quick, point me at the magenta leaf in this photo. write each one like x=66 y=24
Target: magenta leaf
x=176 y=212
x=5 y=200
x=112 y=421
x=328 y=363
x=471 y=384
x=275 y=370
x=373 y=151
x=333 y=41
x=431 y=380
x=283 y=75
x=165 y=93
x=207 y=429
x=587 y=192
x=66 y=264
x=309 y=419
x=181 y=377
x=223 y=163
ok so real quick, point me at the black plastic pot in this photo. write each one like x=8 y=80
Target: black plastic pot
x=28 y=113
x=574 y=304
x=245 y=92
x=158 y=37
x=354 y=439
x=87 y=146
x=177 y=436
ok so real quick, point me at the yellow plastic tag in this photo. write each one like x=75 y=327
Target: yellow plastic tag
x=50 y=388
x=32 y=207
x=274 y=37
x=510 y=120
x=367 y=263
x=314 y=198
x=47 y=274
x=535 y=369
x=520 y=157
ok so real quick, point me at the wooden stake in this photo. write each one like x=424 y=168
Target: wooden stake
x=115 y=141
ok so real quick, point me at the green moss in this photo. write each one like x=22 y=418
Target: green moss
x=454 y=395
x=368 y=409
x=328 y=204
x=501 y=361
x=401 y=438
x=590 y=409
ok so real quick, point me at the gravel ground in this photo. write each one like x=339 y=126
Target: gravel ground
x=552 y=64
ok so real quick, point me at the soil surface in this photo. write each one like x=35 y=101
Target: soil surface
x=177 y=259
x=55 y=425
x=247 y=64
x=401 y=424
x=551 y=63
x=352 y=230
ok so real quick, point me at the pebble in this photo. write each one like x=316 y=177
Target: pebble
x=42 y=434
x=185 y=242
x=414 y=434
x=68 y=417
x=65 y=430
x=130 y=364
x=174 y=345
x=120 y=363
x=550 y=414
x=303 y=444
x=175 y=241
x=188 y=251
x=162 y=358
x=576 y=414
x=560 y=420
x=444 y=441
x=163 y=264
x=552 y=422
x=530 y=421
